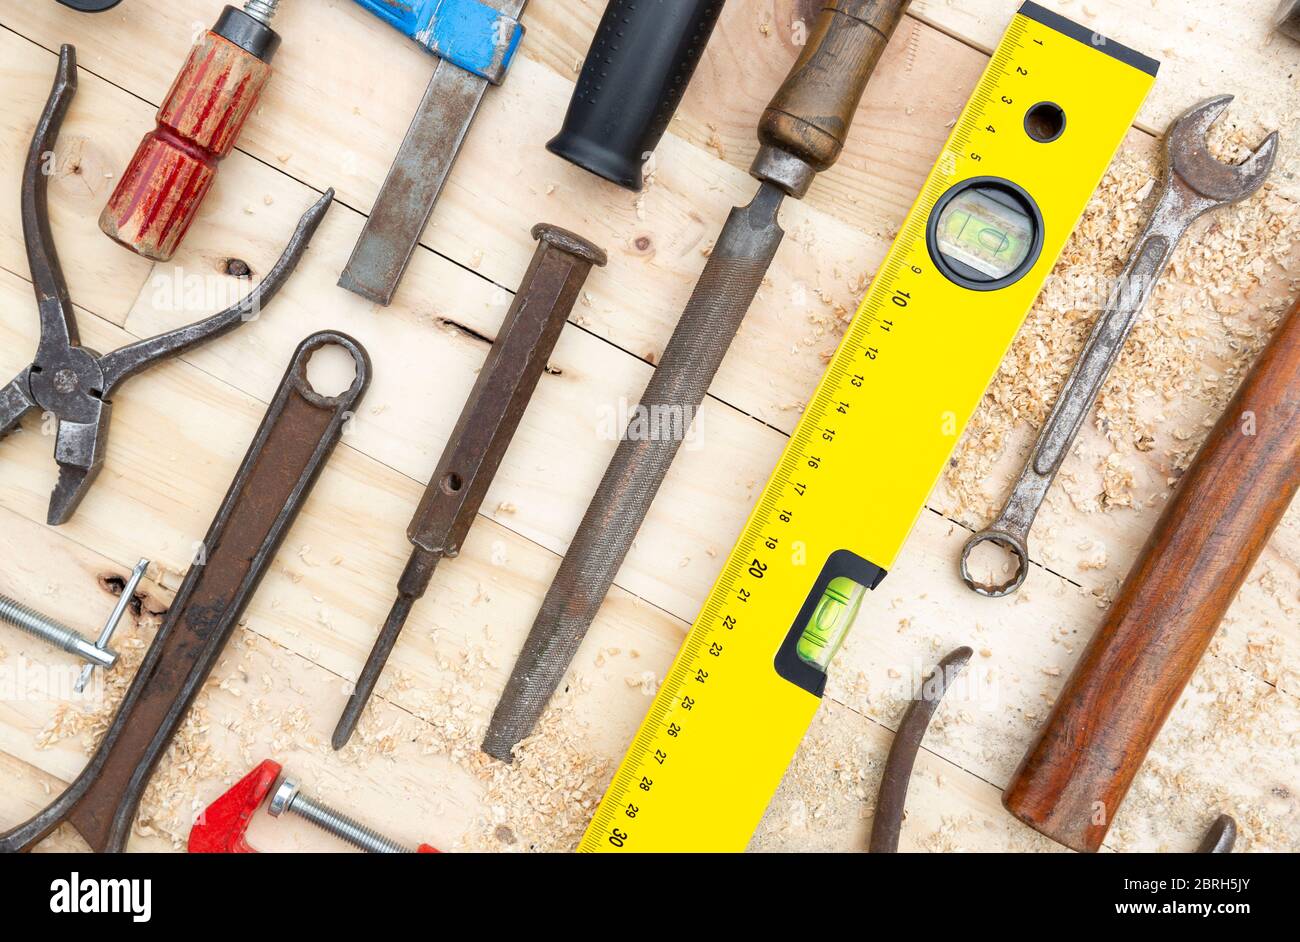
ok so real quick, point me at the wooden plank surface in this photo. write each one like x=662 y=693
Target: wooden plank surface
x=331 y=118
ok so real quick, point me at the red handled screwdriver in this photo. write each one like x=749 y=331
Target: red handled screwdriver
x=172 y=170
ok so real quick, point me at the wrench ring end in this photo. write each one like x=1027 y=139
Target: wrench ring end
x=1007 y=541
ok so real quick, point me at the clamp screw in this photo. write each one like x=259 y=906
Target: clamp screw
x=62 y=637
x=288 y=798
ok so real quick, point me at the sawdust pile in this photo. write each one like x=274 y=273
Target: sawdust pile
x=540 y=802
x=1175 y=793
x=1203 y=312
x=544 y=799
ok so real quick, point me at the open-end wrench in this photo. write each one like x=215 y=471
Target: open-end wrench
x=1194 y=183
x=288 y=452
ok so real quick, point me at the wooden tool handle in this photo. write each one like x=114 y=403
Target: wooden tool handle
x=1072 y=781
x=810 y=115
x=160 y=192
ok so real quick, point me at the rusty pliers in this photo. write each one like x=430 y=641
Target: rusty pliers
x=72 y=383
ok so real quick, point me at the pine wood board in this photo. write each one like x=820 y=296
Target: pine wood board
x=479 y=243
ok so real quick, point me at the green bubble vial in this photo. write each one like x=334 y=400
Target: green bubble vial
x=830 y=622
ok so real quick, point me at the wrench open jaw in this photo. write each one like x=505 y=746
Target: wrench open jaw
x=72 y=383
x=1193 y=166
x=1194 y=183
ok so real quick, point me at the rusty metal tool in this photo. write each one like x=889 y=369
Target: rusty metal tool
x=213 y=96
x=479 y=441
x=1221 y=837
x=475 y=42
x=1287 y=19
x=1134 y=669
x=1194 y=184
x=96 y=653
x=801 y=134
x=296 y=437
x=72 y=383
x=891 y=801
x=222 y=826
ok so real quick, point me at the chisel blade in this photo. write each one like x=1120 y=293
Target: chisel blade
x=414 y=182
x=417 y=176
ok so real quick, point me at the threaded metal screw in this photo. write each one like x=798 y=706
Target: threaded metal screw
x=288 y=798
x=61 y=636
x=47 y=629
x=261 y=10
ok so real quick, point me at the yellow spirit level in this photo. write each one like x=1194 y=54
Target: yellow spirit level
x=1014 y=177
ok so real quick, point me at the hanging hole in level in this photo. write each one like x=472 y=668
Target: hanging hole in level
x=452 y=482
x=1045 y=122
x=331 y=371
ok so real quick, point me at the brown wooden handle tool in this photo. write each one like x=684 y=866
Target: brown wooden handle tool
x=807 y=122
x=1072 y=781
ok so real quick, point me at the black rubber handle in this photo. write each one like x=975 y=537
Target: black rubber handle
x=637 y=69
x=90 y=6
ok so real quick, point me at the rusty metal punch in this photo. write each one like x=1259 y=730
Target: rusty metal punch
x=1194 y=183
x=479 y=441
x=72 y=383
x=296 y=437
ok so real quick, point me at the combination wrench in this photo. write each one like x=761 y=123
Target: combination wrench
x=1194 y=183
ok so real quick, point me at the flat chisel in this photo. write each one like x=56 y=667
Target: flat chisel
x=801 y=133
x=475 y=42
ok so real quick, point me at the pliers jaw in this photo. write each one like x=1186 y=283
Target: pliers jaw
x=79 y=450
x=68 y=390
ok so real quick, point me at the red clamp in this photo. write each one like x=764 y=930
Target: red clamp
x=223 y=824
